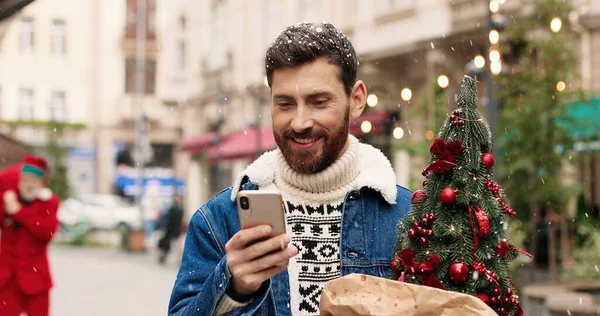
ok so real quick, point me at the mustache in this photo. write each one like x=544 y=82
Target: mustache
x=290 y=133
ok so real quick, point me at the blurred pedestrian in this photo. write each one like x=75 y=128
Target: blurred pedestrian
x=171 y=228
x=28 y=218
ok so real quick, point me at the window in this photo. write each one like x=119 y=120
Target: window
x=59 y=35
x=26 y=104
x=386 y=6
x=58 y=106
x=149 y=76
x=26 y=34
x=181 y=55
x=131 y=19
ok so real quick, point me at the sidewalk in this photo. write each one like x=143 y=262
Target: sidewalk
x=105 y=281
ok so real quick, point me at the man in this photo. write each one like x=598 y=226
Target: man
x=172 y=229
x=341 y=199
x=28 y=221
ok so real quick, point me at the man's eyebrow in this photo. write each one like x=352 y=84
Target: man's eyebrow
x=319 y=93
x=283 y=96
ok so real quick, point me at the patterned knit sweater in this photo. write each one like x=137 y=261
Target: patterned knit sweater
x=313 y=205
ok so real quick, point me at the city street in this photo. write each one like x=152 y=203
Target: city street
x=105 y=281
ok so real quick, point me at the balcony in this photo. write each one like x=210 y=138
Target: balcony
x=468 y=15
x=155 y=111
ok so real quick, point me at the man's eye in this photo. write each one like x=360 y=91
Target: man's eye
x=320 y=102
x=284 y=105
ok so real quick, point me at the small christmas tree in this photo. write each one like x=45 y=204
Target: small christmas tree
x=455 y=237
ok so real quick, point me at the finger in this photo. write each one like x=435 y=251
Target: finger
x=245 y=236
x=262 y=248
x=271 y=260
x=266 y=274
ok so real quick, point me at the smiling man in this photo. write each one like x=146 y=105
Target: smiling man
x=341 y=198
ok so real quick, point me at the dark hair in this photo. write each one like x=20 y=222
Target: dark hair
x=303 y=43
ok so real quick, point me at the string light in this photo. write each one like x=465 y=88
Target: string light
x=494 y=56
x=496 y=67
x=555 y=25
x=443 y=81
x=494 y=37
x=372 y=100
x=560 y=86
x=398 y=132
x=366 y=127
x=494 y=6
x=406 y=94
x=479 y=61
x=429 y=135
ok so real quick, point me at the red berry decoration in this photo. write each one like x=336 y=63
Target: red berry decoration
x=509 y=292
x=493 y=300
x=412 y=234
x=395 y=264
x=448 y=196
x=416 y=225
x=425 y=221
x=456 y=112
x=484 y=297
x=418 y=196
x=487 y=160
x=459 y=273
x=423 y=241
x=496 y=292
x=429 y=233
x=501 y=311
x=503 y=249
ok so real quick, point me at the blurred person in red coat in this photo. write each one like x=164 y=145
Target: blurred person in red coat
x=28 y=220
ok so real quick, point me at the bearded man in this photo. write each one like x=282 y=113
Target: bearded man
x=341 y=198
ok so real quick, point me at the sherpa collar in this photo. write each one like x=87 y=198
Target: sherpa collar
x=374 y=172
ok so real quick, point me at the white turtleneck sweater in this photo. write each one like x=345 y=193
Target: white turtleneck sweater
x=313 y=205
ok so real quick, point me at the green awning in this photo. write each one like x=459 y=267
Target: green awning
x=584 y=119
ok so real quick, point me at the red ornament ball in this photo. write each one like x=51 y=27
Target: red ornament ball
x=501 y=311
x=412 y=234
x=487 y=160
x=418 y=196
x=502 y=249
x=423 y=241
x=493 y=300
x=509 y=292
x=448 y=196
x=496 y=292
x=459 y=273
x=484 y=297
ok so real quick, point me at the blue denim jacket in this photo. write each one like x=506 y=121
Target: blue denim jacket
x=367 y=245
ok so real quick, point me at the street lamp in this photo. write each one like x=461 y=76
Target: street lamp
x=372 y=100
x=406 y=94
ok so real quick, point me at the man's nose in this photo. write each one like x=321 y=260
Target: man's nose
x=302 y=120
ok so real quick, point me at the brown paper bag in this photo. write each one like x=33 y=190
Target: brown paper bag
x=358 y=294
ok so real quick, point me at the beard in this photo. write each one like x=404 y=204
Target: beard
x=311 y=161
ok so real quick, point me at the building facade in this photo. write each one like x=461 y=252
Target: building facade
x=404 y=47
x=73 y=62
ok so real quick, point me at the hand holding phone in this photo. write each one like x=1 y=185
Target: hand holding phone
x=260 y=249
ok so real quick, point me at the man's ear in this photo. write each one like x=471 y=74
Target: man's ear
x=358 y=99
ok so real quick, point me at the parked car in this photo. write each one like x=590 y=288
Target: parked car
x=100 y=212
